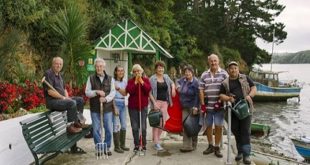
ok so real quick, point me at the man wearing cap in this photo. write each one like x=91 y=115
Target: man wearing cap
x=236 y=87
x=212 y=112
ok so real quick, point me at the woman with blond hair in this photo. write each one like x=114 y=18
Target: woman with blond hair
x=138 y=88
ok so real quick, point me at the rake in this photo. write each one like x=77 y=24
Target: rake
x=101 y=148
x=141 y=151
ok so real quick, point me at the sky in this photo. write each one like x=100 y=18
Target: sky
x=296 y=18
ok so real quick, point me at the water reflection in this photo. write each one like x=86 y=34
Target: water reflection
x=285 y=121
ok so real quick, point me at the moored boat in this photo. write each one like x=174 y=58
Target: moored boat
x=269 y=88
x=267 y=93
x=302 y=146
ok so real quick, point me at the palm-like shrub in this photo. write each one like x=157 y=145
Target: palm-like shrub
x=71 y=26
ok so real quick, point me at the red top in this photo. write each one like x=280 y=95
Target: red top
x=133 y=90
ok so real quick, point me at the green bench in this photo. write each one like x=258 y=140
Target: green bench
x=46 y=135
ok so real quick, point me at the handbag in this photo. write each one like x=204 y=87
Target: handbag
x=241 y=109
x=191 y=125
x=155 y=116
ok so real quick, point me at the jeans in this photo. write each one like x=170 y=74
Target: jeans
x=120 y=122
x=134 y=115
x=216 y=117
x=107 y=124
x=73 y=106
x=242 y=131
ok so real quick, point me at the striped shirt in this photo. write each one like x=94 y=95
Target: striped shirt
x=211 y=84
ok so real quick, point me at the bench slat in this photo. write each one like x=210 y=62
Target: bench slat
x=33 y=119
x=32 y=137
x=62 y=142
x=37 y=123
x=31 y=131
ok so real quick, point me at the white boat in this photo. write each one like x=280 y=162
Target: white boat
x=270 y=89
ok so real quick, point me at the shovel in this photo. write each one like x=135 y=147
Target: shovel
x=101 y=148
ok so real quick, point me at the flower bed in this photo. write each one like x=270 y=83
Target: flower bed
x=14 y=98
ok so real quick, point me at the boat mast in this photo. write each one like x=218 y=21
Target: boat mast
x=272 y=49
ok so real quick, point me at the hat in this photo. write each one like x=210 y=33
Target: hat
x=232 y=63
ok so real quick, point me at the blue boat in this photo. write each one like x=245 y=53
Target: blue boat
x=302 y=146
x=270 y=89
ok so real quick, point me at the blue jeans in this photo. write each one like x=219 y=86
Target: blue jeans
x=120 y=122
x=107 y=124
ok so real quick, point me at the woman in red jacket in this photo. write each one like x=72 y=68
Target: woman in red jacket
x=139 y=88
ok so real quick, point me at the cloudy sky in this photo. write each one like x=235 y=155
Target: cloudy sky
x=296 y=17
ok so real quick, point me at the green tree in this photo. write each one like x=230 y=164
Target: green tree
x=71 y=28
x=234 y=24
x=9 y=42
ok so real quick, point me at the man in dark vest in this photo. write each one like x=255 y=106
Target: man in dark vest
x=100 y=88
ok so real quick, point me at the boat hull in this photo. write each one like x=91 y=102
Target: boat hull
x=265 y=93
x=302 y=148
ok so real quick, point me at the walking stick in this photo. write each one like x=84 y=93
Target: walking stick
x=228 y=161
x=141 y=152
x=48 y=84
x=102 y=146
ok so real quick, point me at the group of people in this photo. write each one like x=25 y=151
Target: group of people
x=203 y=96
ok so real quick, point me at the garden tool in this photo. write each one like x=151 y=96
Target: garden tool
x=101 y=148
x=228 y=106
x=48 y=84
x=141 y=151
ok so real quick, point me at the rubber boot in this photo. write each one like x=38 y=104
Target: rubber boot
x=116 y=139
x=123 y=140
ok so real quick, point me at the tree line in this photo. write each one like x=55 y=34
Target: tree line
x=34 y=31
x=302 y=57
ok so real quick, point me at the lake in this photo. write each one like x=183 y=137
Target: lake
x=289 y=118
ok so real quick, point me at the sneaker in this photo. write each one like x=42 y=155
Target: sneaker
x=209 y=150
x=157 y=147
x=136 y=149
x=217 y=152
x=238 y=157
x=246 y=160
x=144 y=148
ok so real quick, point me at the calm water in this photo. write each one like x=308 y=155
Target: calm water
x=289 y=118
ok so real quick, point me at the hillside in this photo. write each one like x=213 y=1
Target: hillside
x=292 y=58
